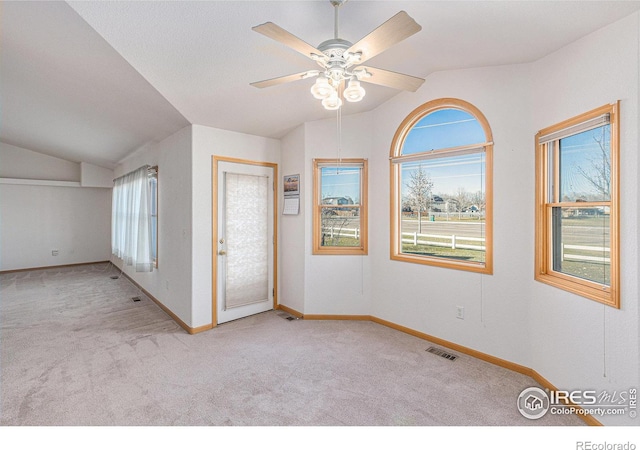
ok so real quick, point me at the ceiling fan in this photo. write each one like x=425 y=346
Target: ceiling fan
x=340 y=60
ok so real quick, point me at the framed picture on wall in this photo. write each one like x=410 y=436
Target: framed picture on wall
x=291 y=185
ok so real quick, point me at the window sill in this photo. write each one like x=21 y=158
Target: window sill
x=484 y=268
x=599 y=293
x=341 y=251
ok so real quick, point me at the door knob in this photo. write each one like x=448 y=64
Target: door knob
x=222 y=252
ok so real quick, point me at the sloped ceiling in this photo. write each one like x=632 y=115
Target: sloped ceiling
x=93 y=81
x=65 y=92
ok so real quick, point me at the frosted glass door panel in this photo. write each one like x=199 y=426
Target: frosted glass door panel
x=247 y=227
x=245 y=240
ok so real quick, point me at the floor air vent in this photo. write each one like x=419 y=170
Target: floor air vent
x=135 y=299
x=114 y=277
x=286 y=315
x=439 y=352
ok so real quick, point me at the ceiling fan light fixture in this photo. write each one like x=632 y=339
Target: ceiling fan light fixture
x=354 y=92
x=332 y=102
x=321 y=89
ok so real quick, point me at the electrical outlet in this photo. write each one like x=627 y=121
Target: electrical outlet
x=460 y=312
x=54 y=252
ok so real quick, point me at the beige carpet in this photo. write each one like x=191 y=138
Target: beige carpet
x=76 y=350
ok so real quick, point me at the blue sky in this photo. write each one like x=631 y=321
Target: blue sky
x=343 y=182
x=444 y=128
x=581 y=151
x=447 y=128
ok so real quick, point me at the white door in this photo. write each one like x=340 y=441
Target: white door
x=245 y=241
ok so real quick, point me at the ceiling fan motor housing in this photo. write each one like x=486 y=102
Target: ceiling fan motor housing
x=338 y=59
x=334 y=47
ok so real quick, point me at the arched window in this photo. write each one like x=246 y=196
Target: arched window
x=441 y=187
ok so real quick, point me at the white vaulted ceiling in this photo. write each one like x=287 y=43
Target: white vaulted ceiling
x=93 y=81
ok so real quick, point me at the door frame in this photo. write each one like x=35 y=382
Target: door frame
x=214 y=228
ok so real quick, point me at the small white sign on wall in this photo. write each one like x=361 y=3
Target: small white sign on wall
x=291 y=205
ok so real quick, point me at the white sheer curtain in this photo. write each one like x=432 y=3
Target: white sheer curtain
x=131 y=220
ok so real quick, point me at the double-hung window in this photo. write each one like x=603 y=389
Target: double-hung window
x=441 y=187
x=577 y=197
x=340 y=207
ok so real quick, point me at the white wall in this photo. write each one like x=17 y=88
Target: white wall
x=577 y=343
x=18 y=162
x=170 y=283
x=424 y=298
x=293 y=237
x=37 y=219
x=336 y=284
x=95 y=176
x=206 y=143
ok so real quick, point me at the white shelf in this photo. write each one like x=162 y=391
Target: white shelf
x=39 y=182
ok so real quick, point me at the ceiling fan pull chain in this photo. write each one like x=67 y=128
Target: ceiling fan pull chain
x=339 y=137
x=336 y=7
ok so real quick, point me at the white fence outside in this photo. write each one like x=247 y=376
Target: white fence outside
x=446 y=216
x=346 y=232
x=452 y=241
x=585 y=248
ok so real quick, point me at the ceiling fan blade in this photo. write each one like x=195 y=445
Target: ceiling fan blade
x=391 y=79
x=394 y=30
x=285 y=79
x=281 y=35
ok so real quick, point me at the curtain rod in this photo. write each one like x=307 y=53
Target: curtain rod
x=150 y=169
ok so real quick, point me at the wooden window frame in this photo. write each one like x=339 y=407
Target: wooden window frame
x=396 y=158
x=608 y=295
x=318 y=249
